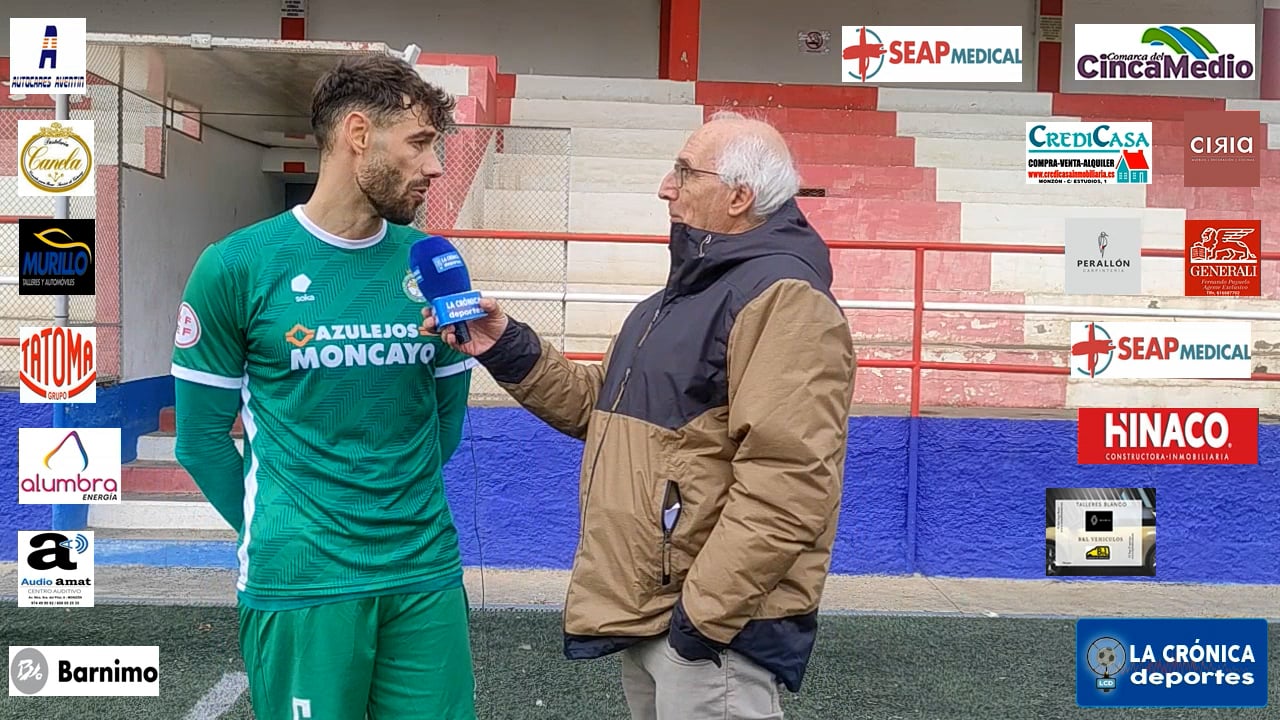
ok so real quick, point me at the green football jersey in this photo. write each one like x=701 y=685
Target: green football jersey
x=321 y=336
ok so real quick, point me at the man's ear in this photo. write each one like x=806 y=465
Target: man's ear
x=357 y=131
x=740 y=201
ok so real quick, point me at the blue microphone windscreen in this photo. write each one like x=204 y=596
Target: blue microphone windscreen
x=438 y=267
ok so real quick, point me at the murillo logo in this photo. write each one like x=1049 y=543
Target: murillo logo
x=1167 y=436
x=59 y=364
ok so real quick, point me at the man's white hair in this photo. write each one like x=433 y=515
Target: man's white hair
x=752 y=161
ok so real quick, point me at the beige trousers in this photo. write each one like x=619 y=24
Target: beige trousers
x=661 y=685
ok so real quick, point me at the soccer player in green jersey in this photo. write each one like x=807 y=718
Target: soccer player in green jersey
x=307 y=325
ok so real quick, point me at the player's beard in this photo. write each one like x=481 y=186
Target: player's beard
x=385 y=189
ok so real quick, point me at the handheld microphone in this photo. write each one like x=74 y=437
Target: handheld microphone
x=444 y=281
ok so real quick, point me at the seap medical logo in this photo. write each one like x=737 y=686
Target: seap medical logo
x=927 y=54
x=1171 y=662
x=1162 y=350
x=1165 y=52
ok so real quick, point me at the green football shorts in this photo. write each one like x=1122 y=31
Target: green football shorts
x=387 y=657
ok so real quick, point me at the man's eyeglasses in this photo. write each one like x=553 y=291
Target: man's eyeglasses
x=681 y=172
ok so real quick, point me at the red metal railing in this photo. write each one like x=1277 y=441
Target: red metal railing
x=916 y=364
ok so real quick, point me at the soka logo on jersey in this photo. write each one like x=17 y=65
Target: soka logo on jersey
x=334 y=346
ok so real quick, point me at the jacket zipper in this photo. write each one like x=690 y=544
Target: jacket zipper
x=671 y=509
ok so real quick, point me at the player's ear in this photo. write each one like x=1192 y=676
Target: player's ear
x=358 y=132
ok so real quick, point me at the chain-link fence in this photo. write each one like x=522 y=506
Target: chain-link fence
x=510 y=179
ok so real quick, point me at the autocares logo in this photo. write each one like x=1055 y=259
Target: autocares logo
x=1165 y=52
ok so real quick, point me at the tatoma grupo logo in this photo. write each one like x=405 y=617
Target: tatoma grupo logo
x=1089 y=153
x=1162 y=350
x=68 y=466
x=1165 y=52
x=59 y=364
x=1167 y=436
x=927 y=54
x=1171 y=662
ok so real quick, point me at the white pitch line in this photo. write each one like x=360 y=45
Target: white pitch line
x=220 y=698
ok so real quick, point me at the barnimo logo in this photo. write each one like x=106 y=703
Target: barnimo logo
x=1168 y=662
x=68 y=671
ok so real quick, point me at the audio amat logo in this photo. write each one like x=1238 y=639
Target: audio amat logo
x=927 y=54
x=1162 y=350
x=1165 y=52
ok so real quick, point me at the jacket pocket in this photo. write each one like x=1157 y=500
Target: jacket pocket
x=672 y=508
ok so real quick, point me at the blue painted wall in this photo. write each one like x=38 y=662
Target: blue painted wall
x=978 y=496
x=134 y=407
x=979 y=499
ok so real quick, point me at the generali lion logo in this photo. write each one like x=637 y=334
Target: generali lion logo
x=59 y=365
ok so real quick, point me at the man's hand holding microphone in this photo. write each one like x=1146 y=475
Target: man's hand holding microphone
x=471 y=324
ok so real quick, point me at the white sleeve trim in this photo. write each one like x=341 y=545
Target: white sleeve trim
x=204 y=378
x=456 y=368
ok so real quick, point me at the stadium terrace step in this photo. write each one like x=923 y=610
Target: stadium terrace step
x=156 y=478
x=971 y=153
x=1010 y=187
x=1268 y=110
x=1001 y=223
x=174 y=512
x=604 y=114
x=966 y=102
x=1118 y=108
x=827 y=149
x=631 y=90
x=597 y=142
x=883 y=220
x=1168 y=191
x=167 y=423
x=586 y=212
x=972 y=126
x=918 y=184
x=585 y=174
x=762 y=95
x=817 y=120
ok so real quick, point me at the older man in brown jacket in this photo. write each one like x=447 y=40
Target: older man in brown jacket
x=715 y=433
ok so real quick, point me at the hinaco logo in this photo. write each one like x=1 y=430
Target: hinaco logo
x=1165 y=52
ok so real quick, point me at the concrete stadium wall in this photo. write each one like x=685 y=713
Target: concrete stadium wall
x=756 y=40
x=211 y=187
x=133 y=407
x=615 y=38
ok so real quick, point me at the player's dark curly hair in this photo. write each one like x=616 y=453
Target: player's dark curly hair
x=376 y=84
